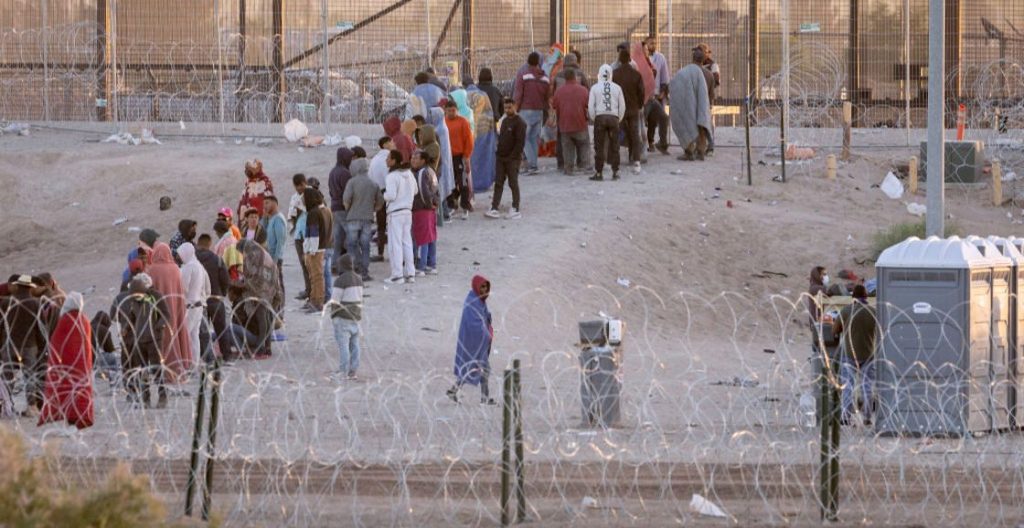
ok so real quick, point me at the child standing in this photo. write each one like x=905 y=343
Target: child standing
x=346 y=308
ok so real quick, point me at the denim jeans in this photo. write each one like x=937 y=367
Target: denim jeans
x=534 y=123
x=328 y=259
x=428 y=256
x=358 y=234
x=576 y=147
x=346 y=334
x=848 y=373
x=338 y=245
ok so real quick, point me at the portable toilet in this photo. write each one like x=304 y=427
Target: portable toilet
x=933 y=366
x=1009 y=248
x=1000 y=359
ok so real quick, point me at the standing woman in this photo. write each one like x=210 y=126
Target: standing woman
x=68 y=390
x=424 y=214
x=175 y=347
x=473 y=351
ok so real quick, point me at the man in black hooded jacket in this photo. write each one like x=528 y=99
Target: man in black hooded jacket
x=336 y=183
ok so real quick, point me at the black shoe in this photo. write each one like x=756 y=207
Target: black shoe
x=302 y=296
x=663 y=149
x=615 y=176
x=597 y=177
x=453 y=394
x=488 y=401
x=845 y=422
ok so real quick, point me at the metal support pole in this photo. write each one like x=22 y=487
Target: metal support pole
x=906 y=65
x=853 y=59
x=112 y=49
x=102 y=60
x=240 y=81
x=936 y=216
x=753 y=51
x=785 y=78
x=197 y=433
x=555 y=22
x=952 y=47
x=220 y=64
x=518 y=440
x=211 y=437
x=746 y=126
x=506 y=448
x=46 y=62
x=277 y=17
x=429 y=54
x=652 y=18
x=467 y=38
x=325 y=88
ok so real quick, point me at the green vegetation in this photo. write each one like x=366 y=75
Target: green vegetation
x=897 y=233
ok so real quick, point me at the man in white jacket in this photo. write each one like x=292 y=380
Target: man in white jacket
x=196 y=284
x=606 y=107
x=399 y=190
x=379 y=175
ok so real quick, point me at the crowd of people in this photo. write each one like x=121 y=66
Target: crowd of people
x=220 y=296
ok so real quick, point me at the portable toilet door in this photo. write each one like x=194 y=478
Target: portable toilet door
x=997 y=387
x=934 y=320
x=1008 y=248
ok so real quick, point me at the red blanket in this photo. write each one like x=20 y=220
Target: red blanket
x=68 y=391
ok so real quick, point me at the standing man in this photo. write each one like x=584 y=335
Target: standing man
x=379 y=176
x=570 y=104
x=27 y=341
x=399 y=193
x=297 y=220
x=655 y=108
x=336 y=182
x=714 y=81
x=691 y=108
x=858 y=324
x=531 y=99
x=186 y=233
x=363 y=199
x=511 y=141
x=462 y=149
x=606 y=108
x=277 y=234
x=317 y=242
x=569 y=65
x=632 y=85
x=216 y=308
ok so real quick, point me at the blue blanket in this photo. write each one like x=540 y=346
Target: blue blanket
x=473 y=351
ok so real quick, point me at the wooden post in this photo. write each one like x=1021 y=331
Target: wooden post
x=997 y=184
x=102 y=61
x=847 y=133
x=830 y=167
x=277 y=70
x=912 y=175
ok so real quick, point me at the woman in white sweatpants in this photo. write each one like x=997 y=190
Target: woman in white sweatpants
x=399 y=191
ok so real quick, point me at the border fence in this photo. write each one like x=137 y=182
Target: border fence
x=351 y=61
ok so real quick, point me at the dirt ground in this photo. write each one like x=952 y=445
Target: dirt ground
x=673 y=251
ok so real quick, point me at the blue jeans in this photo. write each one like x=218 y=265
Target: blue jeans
x=328 y=259
x=338 y=244
x=428 y=256
x=357 y=236
x=534 y=123
x=848 y=373
x=346 y=334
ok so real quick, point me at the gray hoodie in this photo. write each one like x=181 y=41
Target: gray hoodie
x=362 y=197
x=605 y=96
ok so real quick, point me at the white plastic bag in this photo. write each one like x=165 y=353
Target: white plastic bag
x=892 y=187
x=917 y=209
x=705 y=507
x=295 y=130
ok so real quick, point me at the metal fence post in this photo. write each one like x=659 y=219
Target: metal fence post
x=46 y=61
x=506 y=446
x=935 y=216
x=211 y=437
x=467 y=38
x=518 y=434
x=197 y=433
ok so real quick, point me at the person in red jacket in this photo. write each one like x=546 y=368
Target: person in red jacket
x=461 y=137
x=257 y=187
x=570 y=103
x=531 y=98
x=403 y=143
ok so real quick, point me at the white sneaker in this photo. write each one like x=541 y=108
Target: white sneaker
x=410 y=280
x=464 y=215
x=431 y=271
x=514 y=214
x=493 y=213
x=421 y=273
x=636 y=167
x=394 y=280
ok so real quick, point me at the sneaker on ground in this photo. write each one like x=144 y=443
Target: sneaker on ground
x=302 y=296
x=488 y=401
x=493 y=213
x=377 y=258
x=367 y=278
x=395 y=280
x=453 y=395
x=534 y=170
x=636 y=167
x=615 y=175
x=278 y=336
x=597 y=177
x=431 y=271
x=410 y=280
x=421 y=273
x=514 y=214
x=352 y=376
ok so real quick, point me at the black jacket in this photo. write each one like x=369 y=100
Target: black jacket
x=511 y=138
x=339 y=178
x=25 y=327
x=218 y=272
x=632 y=85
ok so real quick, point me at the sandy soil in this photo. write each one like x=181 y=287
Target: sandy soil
x=696 y=315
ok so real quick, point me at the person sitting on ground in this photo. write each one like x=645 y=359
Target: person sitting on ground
x=261 y=293
x=346 y=308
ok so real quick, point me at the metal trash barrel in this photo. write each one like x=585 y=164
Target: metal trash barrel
x=600 y=386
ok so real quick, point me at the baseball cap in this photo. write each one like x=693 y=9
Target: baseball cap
x=225 y=211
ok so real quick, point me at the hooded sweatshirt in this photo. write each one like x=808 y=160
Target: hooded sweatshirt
x=426 y=136
x=605 y=96
x=362 y=197
x=216 y=271
x=486 y=85
x=473 y=350
x=400 y=190
x=194 y=278
x=347 y=294
x=379 y=168
x=339 y=177
x=403 y=143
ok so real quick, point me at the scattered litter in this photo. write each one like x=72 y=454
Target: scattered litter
x=332 y=140
x=677 y=172
x=892 y=187
x=264 y=142
x=769 y=274
x=301 y=149
x=428 y=329
x=475 y=263
x=794 y=152
x=238 y=142
x=917 y=209
x=120 y=221
x=134 y=229
x=728 y=203
x=1009 y=176
x=249 y=139
x=588 y=502
x=769 y=351
x=295 y=130
x=353 y=141
x=75 y=204
x=148 y=139
x=123 y=138
x=583 y=244
x=165 y=203
x=181 y=124
x=21 y=129
x=736 y=381
x=702 y=506
x=624 y=282
x=312 y=141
